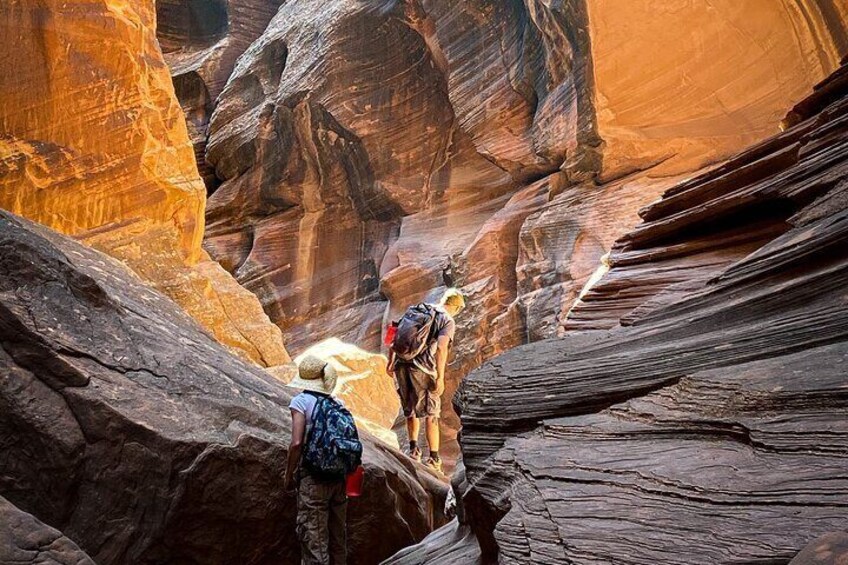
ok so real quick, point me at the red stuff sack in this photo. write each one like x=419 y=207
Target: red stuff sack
x=390 y=334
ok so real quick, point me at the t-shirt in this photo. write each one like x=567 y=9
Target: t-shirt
x=443 y=325
x=305 y=404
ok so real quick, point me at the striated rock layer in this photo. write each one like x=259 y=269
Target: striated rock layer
x=128 y=428
x=93 y=143
x=710 y=426
x=371 y=154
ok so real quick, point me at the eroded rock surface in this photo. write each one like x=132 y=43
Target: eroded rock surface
x=132 y=431
x=26 y=540
x=710 y=426
x=202 y=40
x=93 y=143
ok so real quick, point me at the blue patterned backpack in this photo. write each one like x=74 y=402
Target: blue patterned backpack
x=333 y=449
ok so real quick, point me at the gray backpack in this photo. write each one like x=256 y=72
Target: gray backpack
x=414 y=331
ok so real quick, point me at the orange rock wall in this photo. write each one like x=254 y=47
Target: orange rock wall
x=88 y=78
x=93 y=143
x=689 y=82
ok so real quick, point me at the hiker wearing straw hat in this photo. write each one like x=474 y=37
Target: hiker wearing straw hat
x=324 y=449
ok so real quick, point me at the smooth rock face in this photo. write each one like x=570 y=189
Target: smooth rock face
x=710 y=426
x=132 y=431
x=94 y=144
x=26 y=540
x=687 y=82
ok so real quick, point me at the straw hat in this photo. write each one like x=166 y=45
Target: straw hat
x=315 y=375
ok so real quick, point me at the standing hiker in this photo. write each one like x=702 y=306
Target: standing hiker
x=417 y=359
x=324 y=449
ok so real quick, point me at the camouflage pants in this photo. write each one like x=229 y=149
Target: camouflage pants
x=321 y=522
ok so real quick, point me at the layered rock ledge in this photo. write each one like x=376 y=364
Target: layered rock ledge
x=710 y=425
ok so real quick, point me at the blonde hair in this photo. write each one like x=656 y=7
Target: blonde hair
x=452 y=297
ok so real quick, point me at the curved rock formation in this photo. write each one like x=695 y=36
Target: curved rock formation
x=26 y=540
x=201 y=40
x=710 y=426
x=93 y=143
x=131 y=430
x=453 y=543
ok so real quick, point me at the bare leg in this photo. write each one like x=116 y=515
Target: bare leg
x=433 y=438
x=413 y=428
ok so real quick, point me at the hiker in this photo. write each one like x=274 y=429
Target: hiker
x=324 y=449
x=417 y=359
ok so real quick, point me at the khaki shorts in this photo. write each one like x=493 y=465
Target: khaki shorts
x=415 y=388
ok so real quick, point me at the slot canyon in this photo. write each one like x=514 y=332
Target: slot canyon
x=644 y=204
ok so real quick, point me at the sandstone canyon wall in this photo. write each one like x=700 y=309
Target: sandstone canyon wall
x=368 y=154
x=709 y=426
x=93 y=143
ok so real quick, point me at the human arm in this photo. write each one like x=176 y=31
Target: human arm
x=390 y=366
x=295 y=447
x=441 y=362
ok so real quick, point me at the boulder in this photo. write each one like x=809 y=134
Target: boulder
x=95 y=145
x=26 y=540
x=709 y=426
x=131 y=430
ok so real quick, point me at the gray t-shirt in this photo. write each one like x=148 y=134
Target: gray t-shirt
x=443 y=325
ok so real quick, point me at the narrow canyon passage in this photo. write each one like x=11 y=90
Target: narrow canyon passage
x=642 y=205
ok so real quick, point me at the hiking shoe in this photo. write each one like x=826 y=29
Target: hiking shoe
x=435 y=464
x=415 y=454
